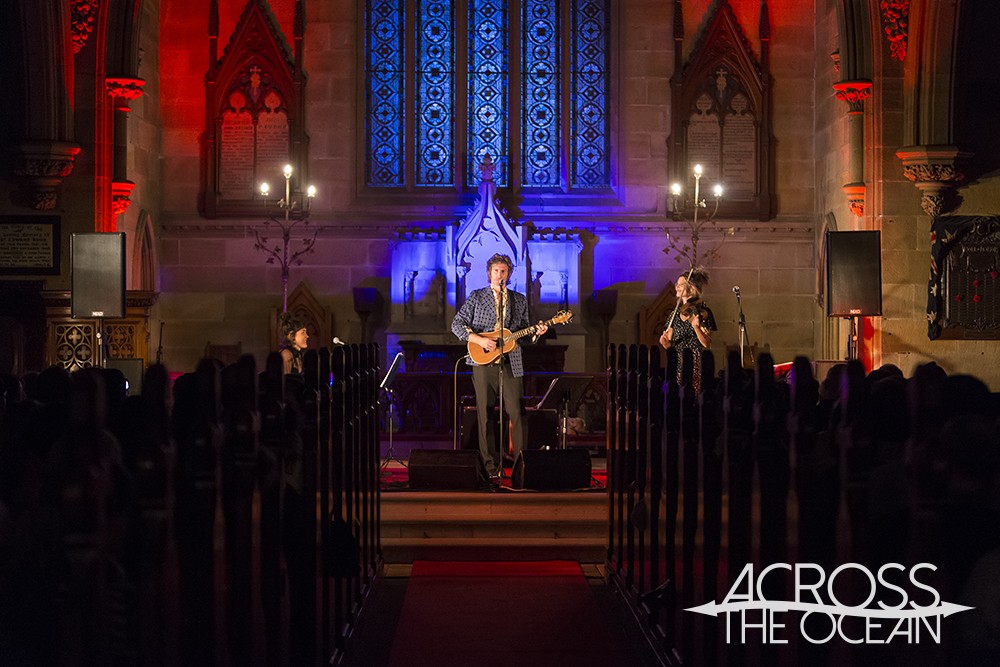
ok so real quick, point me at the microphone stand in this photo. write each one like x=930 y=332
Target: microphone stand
x=500 y=359
x=743 y=328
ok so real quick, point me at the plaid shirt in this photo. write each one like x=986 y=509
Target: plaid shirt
x=479 y=314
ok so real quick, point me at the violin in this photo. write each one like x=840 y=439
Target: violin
x=688 y=309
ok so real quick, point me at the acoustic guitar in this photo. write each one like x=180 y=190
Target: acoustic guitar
x=482 y=356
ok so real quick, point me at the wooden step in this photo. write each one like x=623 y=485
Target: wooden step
x=493 y=526
x=582 y=550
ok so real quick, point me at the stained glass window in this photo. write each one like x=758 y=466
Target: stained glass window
x=540 y=135
x=562 y=137
x=589 y=128
x=435 y=99
x=487 y=88
x=384 y=101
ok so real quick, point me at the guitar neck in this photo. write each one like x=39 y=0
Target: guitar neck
x=528 y=330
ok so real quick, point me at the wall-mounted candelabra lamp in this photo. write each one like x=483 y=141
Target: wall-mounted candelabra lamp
x=678 y=246
x=296 y=208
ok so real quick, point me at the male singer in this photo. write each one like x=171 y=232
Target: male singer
x=481 y=314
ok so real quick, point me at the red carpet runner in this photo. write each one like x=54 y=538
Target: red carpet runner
x=528 y=614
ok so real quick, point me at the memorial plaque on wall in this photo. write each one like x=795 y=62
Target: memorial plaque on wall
x=739 y=151
x=236 y=179
x=255 y=120
x=704 y=139
x=29 y=245
x=272 y=141
x=963 y=300
x=721 y=119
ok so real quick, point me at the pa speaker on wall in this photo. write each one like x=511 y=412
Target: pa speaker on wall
x=853 y=274
x=444 y=469
x=98 y=275
x=552 y=469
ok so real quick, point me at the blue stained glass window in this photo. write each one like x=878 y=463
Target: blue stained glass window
x=384 y=74
x=487 y=88
x=422 y=133
x=589 y=149
x=435 y=98
x=540 y=132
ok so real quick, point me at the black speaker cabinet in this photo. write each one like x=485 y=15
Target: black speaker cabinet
x=444 y=469
x=98 y=275
x=542 y=427
x=552 y=469
x=853 y=274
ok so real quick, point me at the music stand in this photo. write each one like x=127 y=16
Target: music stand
x=386 y=381
x=563 y=391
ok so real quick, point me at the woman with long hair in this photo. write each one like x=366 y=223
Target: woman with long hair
x=294 y=339
x=691 y=324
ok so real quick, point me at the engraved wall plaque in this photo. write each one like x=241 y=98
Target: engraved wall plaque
x=236 y=177
x=721 y=119
x=272 y=141
x=254 y=117
x=739 y=151
x=29 y=245
x=704 y=137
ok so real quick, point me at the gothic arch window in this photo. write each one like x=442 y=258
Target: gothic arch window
x=144 y=265
x=525 y=81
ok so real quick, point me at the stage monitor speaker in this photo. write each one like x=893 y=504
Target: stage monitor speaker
x=132 y=369
x=853 y=274
x=542 y=427
x=97 y=275
x=444 y=469
x=552 y=469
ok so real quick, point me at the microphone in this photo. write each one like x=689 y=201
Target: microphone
x=337 y=341
x=736 y=290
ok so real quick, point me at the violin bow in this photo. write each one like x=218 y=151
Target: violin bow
x=670 y=322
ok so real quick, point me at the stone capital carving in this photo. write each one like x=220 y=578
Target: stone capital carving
x=123 y=90
x=42 y=166
x=855 y=198
x=935 y=171
x=82 y=15
x=896 y=16
x=854 y=93
x=121 y=196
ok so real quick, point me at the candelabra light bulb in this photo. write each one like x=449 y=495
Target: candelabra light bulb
x=718 y=190
x=288 y=171
x=311 y=192
x=264 y=189
x=697 y=170
x=676 y=189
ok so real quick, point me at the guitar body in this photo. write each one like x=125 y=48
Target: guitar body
x=482 y=356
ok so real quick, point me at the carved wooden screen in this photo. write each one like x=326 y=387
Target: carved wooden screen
x=720 y=118
x=963 y=300
x=255 y=121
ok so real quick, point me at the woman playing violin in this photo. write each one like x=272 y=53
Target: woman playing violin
x=691 y=325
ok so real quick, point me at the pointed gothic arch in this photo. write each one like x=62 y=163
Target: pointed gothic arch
x=721 y=115
x=254 y=111
x=145 y=261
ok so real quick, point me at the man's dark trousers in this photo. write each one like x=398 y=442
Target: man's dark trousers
x=486 y=380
